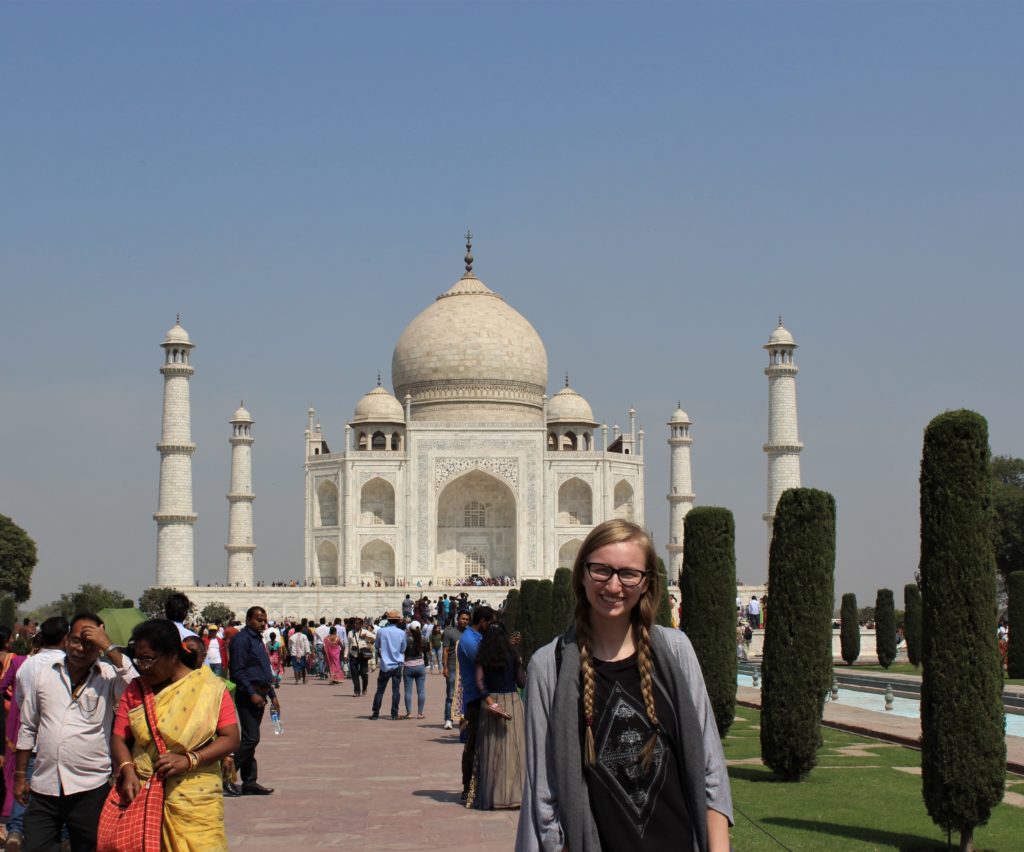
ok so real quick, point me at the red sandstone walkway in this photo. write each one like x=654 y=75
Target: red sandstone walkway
x=343 y=781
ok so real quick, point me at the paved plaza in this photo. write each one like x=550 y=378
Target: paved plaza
x=341 y=780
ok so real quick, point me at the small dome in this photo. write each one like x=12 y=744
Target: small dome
x=378 y=406
x=680 y=416
x=242 y=415
x=781 y=336
x=177 y=335
x=569 y=406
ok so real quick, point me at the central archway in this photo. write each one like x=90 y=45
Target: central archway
x=476 y=528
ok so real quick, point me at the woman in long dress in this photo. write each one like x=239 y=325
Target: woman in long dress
x=196 y=719
x=332 y=650
x=500 y=744
x=275 y=650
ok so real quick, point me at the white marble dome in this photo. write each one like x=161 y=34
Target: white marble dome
x=177 y=335
x=379 y=406
x=471 y=357
x=242 y=415
x=781 y=336
x=567 y=406
x=680 y=416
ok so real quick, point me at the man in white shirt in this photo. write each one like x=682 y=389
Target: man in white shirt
x=298 y=650
x=176 y=608
x=66 y=718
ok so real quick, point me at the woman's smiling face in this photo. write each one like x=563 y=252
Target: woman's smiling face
x=610 y=599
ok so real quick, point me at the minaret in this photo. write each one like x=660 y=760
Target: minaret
x=240 y=547
x=783 y=447
x=680 y=498
x=174 y=517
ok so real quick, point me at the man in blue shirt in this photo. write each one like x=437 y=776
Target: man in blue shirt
x=390 y=644
x=482 y=618
x=249 y=664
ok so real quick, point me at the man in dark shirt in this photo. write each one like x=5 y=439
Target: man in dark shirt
x=250 y=671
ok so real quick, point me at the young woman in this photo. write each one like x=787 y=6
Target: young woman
x=498 y=764
x=196 y=719
x=622 y=751
x=414 y=672
x=332 y=650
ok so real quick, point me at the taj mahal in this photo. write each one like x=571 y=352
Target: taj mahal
x=468 y=472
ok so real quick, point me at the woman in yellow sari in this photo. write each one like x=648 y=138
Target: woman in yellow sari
x=196 y=720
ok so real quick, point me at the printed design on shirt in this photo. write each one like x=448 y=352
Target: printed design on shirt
x=622 y=731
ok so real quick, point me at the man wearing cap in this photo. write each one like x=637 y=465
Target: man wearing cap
x=390 y=644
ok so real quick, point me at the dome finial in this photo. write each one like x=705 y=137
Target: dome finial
x=469 y=252
x=378 y=378
x=177 y=319
x=780 y=320
x=567 y=378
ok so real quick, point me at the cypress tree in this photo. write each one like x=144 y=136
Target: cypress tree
x=1015 y=587
x=708 y=592
x=849 y=629
x=527 y=616
x=912 y=622
x=510 y=612
x=963 y=746
x=797 y=661
x=563 y=602
x=885 y=627
x=543 y=629
x=664 y=614
x=8 y=612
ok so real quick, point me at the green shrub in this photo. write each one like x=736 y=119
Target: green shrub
x=885 y=628
x=543 y=631
x=510 y=612
x=963 y=746
x=528 y=616
x=912 y=622
x=664 y=614
x=563 y=602
x=1015 y=587
x=797 y=660
x=708 y=591
x=849 y=629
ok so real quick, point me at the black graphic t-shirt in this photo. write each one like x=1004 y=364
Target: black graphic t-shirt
x=633 y=808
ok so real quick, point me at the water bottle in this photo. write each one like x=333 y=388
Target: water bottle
x=275 y=720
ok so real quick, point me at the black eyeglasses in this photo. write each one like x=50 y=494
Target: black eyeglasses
x=601 y=573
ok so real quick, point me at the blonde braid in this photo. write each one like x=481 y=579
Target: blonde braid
x=645 y=662
x=589 y=689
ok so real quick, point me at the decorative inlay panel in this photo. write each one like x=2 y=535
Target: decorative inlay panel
x=446 y=469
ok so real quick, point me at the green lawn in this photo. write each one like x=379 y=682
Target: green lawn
x=857 y=798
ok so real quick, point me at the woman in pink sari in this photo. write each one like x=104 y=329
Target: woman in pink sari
x=13 y=722
x=332 y=649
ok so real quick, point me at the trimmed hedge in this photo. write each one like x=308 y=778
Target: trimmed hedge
x=797 y=661
x=563 y=602
x=543 y=631
x=885 y=627
x=1015 y=587
x=510 y=612
x=708 y=591
x=663 y=616
x=849 y=629
x=912 y=622
x=528 y=591
x=963 y=747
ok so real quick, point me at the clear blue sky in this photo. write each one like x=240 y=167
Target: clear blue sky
x=649 y=184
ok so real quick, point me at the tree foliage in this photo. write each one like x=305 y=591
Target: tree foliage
x=963 y=747
x=849 y=629
x=708 y=591
x=528 y=591
x=543 y=630
x=1008 y=505
x=912 y=622
x=89 y=597
x=152 y=601
x=885 y=627
x=8 y=611
x=1015 y=587
x=797 y=660
x=563 y=601
x=216 y=612
x=510 y=612
x=18 y=557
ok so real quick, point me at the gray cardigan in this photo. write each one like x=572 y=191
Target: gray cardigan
x=556 y=806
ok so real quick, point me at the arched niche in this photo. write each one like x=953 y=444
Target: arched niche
x=326 y=504
x=377 y=502
x=567 y=553
x=623 y=500
x=377 y=562
x=575 y=503
x=327 y=563
x=476 y=528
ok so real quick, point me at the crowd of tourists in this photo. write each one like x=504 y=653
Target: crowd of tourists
x=608 y=742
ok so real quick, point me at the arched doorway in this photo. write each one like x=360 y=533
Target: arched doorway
x=327 y=563
x=476 y=528
x=623 y=500
x=567 y=553
x=377 y=562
